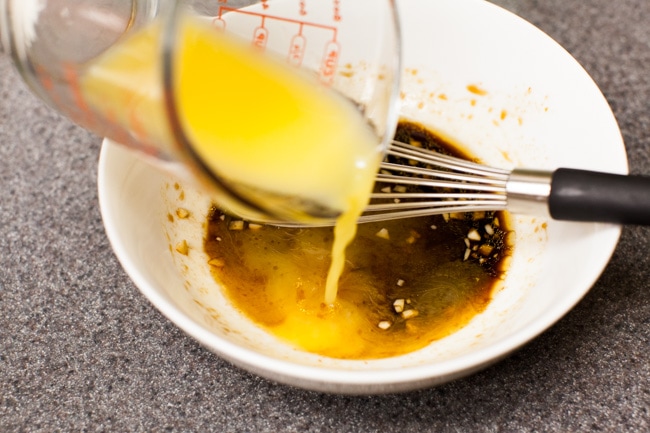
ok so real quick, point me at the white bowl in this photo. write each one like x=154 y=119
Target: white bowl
x=537 y=108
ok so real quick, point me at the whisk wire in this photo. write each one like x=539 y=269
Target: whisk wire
x=433 y=205
x=433 y=158
x=453 y=207
x=467 y=183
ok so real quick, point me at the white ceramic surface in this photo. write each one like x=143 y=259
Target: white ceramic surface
x=473 y=72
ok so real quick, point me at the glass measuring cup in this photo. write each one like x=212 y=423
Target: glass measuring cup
x=348 y=47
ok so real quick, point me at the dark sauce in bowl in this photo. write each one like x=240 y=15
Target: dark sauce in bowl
x=406 y=282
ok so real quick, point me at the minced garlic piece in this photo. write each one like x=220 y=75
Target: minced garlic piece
x=217 y=263
x=409 y=314
x=398 y=305
x=413 y=237
x=383 y=233
x=384 y=324
x=485 y=250
x=473 y=235
x=182 y=247
x=236 y=225
x=182 y=213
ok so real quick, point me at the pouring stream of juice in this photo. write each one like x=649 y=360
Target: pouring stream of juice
x=248 y=117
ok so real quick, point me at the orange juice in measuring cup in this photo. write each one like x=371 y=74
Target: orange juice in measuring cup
x=279 y=108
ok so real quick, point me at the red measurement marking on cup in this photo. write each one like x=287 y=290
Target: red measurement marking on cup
x=263 y=16
x=48 y=84
x=330 y=62
x=45 y=79
x=261 y=36
x=298 y=44
x=134 y=134
x=71 y=77
x=297 y=49
x=219 y=24
x=337 y=10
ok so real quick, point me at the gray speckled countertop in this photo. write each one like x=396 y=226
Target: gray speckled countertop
x=82 y=350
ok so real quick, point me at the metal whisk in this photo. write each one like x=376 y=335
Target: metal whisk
x=423 y=182
x=426 y=182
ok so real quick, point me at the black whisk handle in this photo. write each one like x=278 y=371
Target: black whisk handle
x=579 y=195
